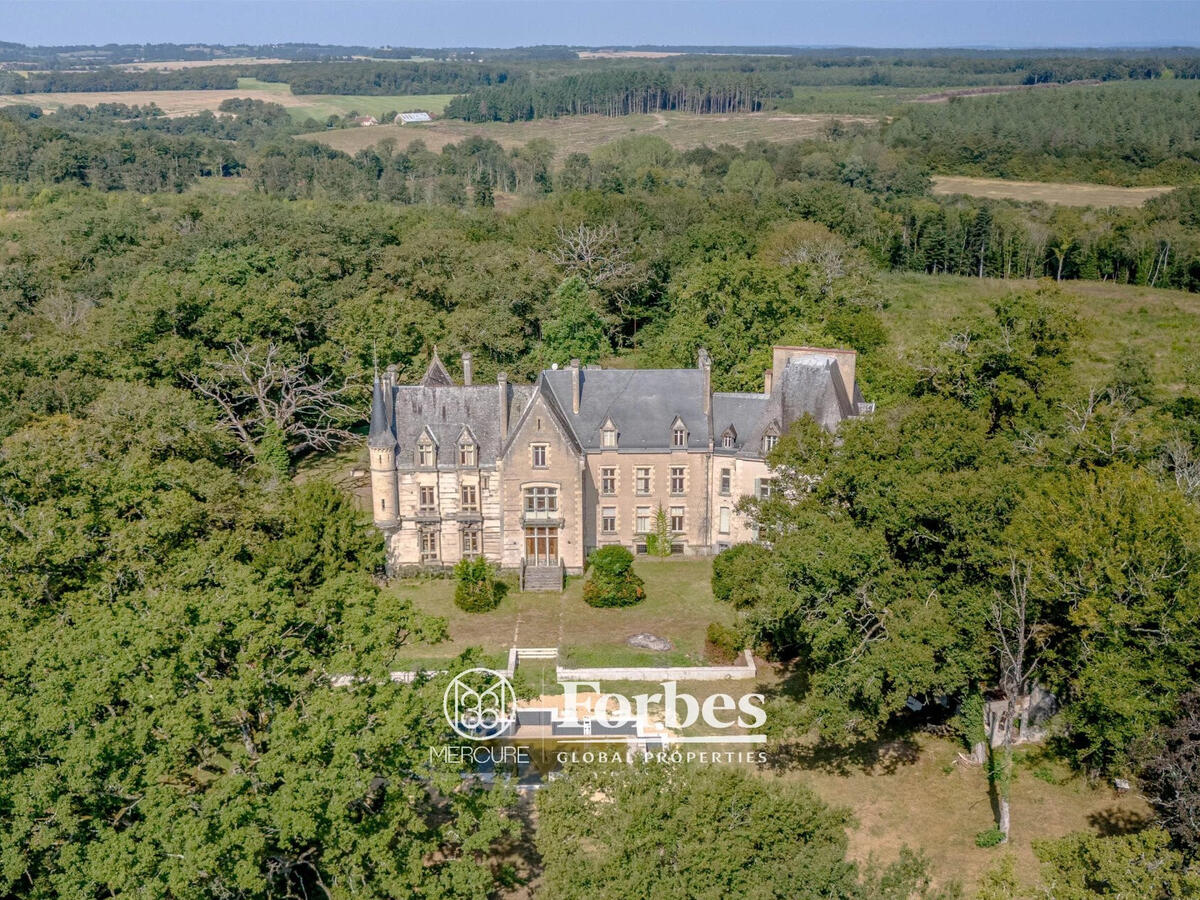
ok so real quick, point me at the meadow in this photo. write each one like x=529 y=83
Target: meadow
x=1056 y=193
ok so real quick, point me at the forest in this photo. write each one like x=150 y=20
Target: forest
x=176 y=596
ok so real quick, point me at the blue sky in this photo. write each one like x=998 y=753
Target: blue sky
x=506 y=23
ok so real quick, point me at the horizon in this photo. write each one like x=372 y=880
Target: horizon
x=875 y=25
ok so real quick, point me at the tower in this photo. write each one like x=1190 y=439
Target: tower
x=381 y=444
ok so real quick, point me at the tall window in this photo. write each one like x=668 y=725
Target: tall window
x=643 y=520
x=466 y=454
x=485 y=482
x=539 y=456
x=470 y=498
x=429 y=545
x=677 y=518
x=727 y=440
x=679 y=436
x=643 y=480
x=608 y=481
x=726 y=482
x=765 y=488
x=723 y=521
x=769 y=442
x=470 y=540
x=425 y=453
x=677 y=479
x=608 y=437
x=608 y=520
x=541 y=503
x=428 y=501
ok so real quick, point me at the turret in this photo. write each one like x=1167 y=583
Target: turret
x=381 y=444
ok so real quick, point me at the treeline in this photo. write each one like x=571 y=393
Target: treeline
x=1115 y=134
x=202 y=78
x=374 y=78
x=617 y=93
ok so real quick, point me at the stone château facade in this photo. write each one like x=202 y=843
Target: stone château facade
x=539 y=475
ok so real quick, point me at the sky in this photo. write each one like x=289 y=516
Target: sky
x=598 y=23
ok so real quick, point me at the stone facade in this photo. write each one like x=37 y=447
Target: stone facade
x=583 y=458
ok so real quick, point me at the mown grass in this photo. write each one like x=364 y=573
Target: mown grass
x=322 y=106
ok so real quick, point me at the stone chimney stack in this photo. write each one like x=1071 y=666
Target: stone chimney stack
x=575 y=386
x=768 y=381
x=502 y=384
x=467 y=370
x=704 y=364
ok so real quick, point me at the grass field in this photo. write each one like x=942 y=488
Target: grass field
x=1164 y=325
x=679 y=606
x=1047 y=191
x=183 y=103
x=582 y=134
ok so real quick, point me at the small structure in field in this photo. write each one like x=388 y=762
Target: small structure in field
x=410 y=118
x=364 y=121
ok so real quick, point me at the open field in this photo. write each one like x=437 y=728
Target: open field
x=909 y=791
x=173 y=65
x=185 y=103
x=582 y=134
x=679 y=606
x=1163 y=325
x=1047 y=191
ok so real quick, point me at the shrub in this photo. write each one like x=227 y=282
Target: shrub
x=992 y=837
x=477 y=589
x=736 y=573
x=723 y=643
x=658 y=542
x=612 y=581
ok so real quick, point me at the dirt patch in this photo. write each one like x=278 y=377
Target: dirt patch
x=1058 y=193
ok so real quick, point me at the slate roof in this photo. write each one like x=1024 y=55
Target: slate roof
x=741 y=410
x=642 y=403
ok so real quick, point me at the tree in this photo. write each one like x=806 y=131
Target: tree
x=660 y=541
x=476 y=588
x=1084 y=866
x=575 y=329
x=612 y=581
x=1171 y=777
x=482 y=194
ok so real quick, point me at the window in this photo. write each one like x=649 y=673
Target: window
x=485 y=482
x=608 y=481
x=678 y=435
x=769 y=442
x=539 y=456
x=643 y=480
x=382 y=503
x=425 y=453
x=723 y=521
x=470 y=498
x=726 y=482
x=466 y=454
x=470 y=541
x=428 y=499
x=608 y=520
x=643 y=520
x=608 y=437
x=541 y=503
x=429 y=542
x=677 y=480
x=765 y=488
x=727 y=440
x=677 y=518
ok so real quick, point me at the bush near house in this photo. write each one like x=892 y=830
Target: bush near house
x=736 y=573
x=722 y=642
x=477 y=589
x=612 y=581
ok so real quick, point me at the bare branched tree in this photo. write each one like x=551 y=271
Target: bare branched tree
x=1183 y=465
x=1019 y=643
x=594 y=253
x=64 y=311
x=256 y=389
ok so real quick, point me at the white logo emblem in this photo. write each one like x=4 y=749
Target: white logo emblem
x=482 y=713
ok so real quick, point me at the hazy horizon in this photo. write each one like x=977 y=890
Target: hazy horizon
x=869 y=24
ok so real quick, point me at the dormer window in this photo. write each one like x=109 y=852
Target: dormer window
x=466 y=453
x=729 y=438
x=425 y=453
x=608 y=437
x=769 y=442
x=679 y=434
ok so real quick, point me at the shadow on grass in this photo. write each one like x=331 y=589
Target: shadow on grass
x=1113 y=822
x=882 y=757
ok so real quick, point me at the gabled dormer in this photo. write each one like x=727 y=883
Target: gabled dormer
x=468 y=449
x=436 y=375
x=729 y=438
x=426 y=449
x=679 y=434
x=609 y=434
x=770 y=437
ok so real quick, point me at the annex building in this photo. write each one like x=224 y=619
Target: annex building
x=536 y=476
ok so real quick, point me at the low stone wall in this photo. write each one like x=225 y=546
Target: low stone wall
x=662 y=673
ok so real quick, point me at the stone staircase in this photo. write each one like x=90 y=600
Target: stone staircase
x=542 y=578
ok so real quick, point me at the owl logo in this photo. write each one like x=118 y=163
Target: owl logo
x=479 y=704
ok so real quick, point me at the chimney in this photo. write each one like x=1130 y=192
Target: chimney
x=502 y=383
x=575 y=386
x=467 y=372
x=768 y=380
x=704 y=364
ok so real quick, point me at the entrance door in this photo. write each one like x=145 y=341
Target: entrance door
x=541 y=545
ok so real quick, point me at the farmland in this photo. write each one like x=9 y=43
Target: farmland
x=582 y=134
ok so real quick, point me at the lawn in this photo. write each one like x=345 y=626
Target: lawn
x=679 y=607
x=1164 y=325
